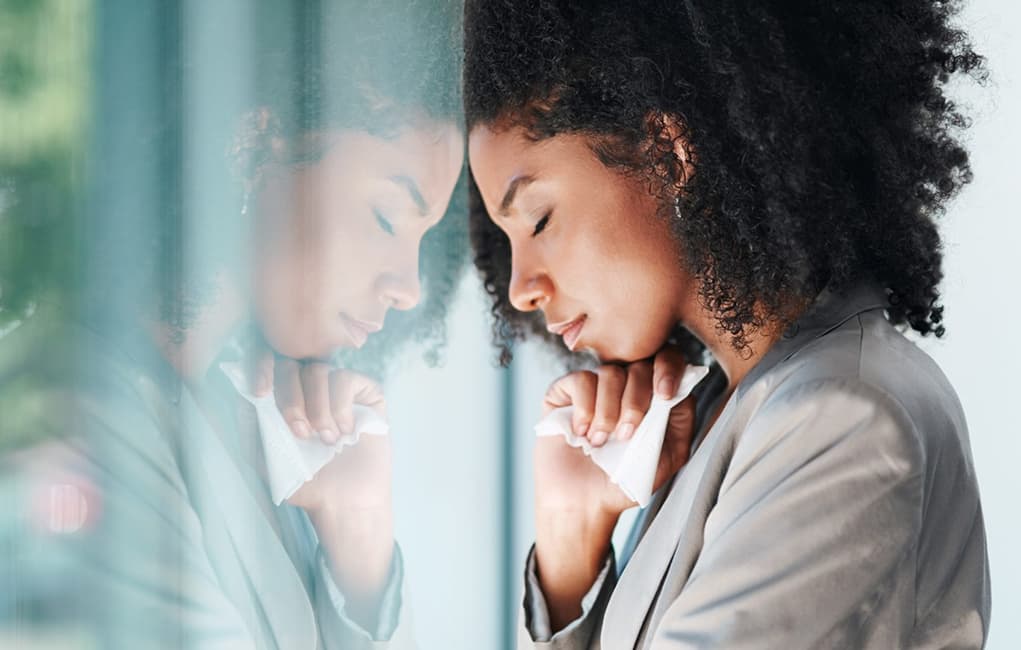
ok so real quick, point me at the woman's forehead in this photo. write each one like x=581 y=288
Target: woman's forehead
x=500 y=156
x=427 y=159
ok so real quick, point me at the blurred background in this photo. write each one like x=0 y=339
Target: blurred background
x=152 y=91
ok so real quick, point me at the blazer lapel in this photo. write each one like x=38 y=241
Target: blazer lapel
x=672 y=542
x=274 y=594
x=639 y=584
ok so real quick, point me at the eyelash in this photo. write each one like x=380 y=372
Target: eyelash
x=541 y=225
x=383 y=222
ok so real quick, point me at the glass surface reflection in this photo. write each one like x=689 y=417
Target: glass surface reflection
x=249 y=231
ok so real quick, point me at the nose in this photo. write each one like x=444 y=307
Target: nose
x=530 y=288
x=400 y=291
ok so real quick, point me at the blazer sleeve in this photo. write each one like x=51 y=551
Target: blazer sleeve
x=817 y=515
x=139 y=569
x=534 y=625
x=394 y=630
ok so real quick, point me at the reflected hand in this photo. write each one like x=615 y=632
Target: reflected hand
x=324 y=397
x=349 y=501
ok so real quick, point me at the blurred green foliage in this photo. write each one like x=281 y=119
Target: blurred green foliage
x=45 y=81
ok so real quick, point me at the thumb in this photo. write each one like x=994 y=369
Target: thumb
x=680 y=431
x=349 y=388
x=259 y=367
x=577 y=389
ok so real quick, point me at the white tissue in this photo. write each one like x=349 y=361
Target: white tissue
x=631 y=464
x=291 y=461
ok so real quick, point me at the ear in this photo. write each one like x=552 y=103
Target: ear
x=257 y=140
x=669 y=135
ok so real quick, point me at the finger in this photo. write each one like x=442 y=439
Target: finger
x=609 y=393
x=637 y=399
x=289 y=396
x=577 y=389
x=349 y=388
x=259 y=368
x=369 y=393
x=680 y=431
x=315 y=384
x=668 y=366
x=677 y=444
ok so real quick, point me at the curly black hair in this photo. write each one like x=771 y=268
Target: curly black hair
x=821 y=138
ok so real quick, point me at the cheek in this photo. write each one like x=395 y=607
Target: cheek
x=278 y=305
x=647 y=285
x=636 y=330
x=292 y=294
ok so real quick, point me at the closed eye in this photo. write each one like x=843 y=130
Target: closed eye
x=541 y=225
x=383 y=222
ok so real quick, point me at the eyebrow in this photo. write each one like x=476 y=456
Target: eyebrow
x=411 y=186
x=512 y=189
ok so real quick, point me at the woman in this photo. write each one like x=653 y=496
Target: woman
x=756 y=183
x=345 y=162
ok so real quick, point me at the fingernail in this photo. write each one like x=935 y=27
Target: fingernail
x=598 y=438
x=302 y=429
x=625 y=431
x=665 y=388
x=329 y=436
x=581 y=428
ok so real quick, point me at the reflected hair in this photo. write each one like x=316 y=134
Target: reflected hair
x=377 y=67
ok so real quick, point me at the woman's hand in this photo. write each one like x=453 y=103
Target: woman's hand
x=318 y=399
x=577 y=506
x=349 y=501
x=608 y=403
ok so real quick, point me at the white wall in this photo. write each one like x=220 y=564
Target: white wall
x=446 y=429
x=980 y=354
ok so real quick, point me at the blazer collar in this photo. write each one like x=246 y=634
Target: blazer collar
x=223 y=499
x=269 y=593
x=830 y=309
x=634 y=596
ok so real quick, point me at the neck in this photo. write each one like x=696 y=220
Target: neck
x=736 y=363
x=191 y=352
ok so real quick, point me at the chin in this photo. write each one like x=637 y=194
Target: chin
x=303 y=349
x=622 y=359
x=326 y=352
x=628 y=353
x=611 y=356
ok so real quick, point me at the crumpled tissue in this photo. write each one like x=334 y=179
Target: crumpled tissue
x=292 y=461
x=631 y=464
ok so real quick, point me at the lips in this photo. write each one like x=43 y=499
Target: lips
x=358 y=330
x=569 y=330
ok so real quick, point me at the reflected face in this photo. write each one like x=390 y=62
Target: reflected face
x=337 y=240
x=587 y=247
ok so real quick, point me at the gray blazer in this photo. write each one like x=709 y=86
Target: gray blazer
x=833 y=504
x=186 y=549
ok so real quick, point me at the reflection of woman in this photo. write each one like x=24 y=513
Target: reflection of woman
x=760 y=180
x=343 y=179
